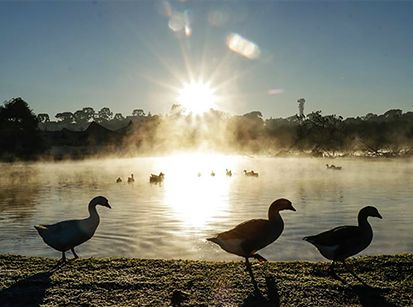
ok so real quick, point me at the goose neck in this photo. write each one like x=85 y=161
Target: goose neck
x=275 y=217
x=362 y=220
x=92 y=211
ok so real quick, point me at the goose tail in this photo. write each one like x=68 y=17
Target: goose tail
x=213 y=239
x=309 y=239
x=40 y=228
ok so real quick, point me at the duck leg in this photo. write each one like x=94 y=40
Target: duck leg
x=248 y=264
x=74 y=254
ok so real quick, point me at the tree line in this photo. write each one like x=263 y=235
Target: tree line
x=78 y=119
x=25 y=134
x=87 y=114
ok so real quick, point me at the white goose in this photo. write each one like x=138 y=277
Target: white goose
x=67 y=235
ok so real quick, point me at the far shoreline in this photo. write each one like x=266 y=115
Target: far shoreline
x=10 y=159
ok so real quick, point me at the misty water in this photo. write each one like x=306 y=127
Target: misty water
x=172 y=220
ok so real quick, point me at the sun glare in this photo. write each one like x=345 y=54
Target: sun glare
x=193 y=195
x=197 y=97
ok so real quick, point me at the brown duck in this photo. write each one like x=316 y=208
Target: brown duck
x=342 y=242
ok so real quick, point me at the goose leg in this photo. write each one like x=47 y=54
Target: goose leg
x=74 y=254
x=248 y=264
x=63 y=259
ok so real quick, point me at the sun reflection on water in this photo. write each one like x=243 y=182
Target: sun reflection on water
x=194 y=196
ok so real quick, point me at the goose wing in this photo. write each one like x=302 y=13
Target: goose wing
x=254 y=235
x=64 y=235
x=337 y=236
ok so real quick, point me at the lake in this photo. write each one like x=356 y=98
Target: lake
x=173 y=219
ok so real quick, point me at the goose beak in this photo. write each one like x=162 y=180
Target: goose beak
x=108 y=206
x=292 y=208
x=379 y=216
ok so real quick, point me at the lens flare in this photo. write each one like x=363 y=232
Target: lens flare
x=243 y=46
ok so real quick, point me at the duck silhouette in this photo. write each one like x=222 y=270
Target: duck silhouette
x=67 y=235
x=345 y=241
x=131 y=179
x=157 y=178
x=250 y=173
x=247 y=238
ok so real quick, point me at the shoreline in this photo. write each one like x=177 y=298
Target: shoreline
x=68 y=158
x=155 y=282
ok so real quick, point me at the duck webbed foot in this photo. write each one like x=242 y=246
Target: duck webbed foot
x=74 y=253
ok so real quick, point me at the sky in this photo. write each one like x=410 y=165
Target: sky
x=344 y=58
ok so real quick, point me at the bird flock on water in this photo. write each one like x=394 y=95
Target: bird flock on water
x=244 y=240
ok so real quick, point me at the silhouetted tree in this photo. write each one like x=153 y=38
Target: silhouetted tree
x=118 y=116
x=177 y=110
x=90 y=113
x=80 y=117
x=393 y=114
x=65 y=117
x=19 y=134
x=104 y=115
x=43 y=117
x=138 y=113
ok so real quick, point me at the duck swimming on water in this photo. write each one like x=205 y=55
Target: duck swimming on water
x=250 y=173
x=333 y=167
x=67 y=235
x=247 y=238
x=345 y=241
x=131 y=179
x=157 y=178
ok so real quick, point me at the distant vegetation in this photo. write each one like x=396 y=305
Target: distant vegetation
x=88 y=132
x=19 y=132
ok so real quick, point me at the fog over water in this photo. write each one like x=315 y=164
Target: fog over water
x=173 y=220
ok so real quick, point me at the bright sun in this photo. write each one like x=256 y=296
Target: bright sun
x=196 y=97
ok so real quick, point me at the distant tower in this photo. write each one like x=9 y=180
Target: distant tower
x=301 y=102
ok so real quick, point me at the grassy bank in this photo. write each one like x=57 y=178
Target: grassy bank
x=141 y=282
